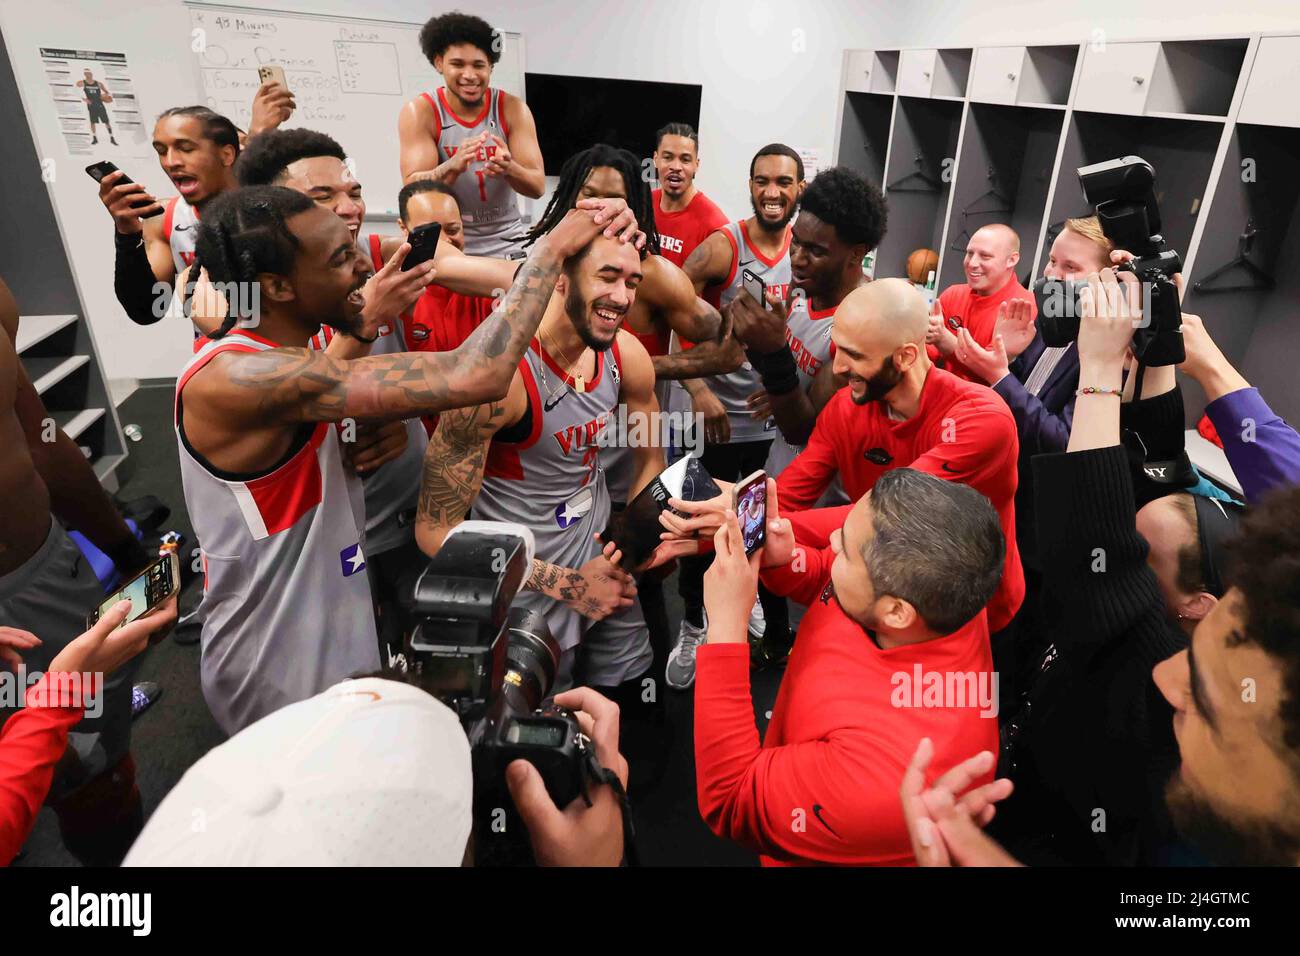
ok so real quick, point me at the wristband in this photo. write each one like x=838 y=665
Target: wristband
x=779 y=373
x=368 y=341
x=1095 y=390
x=131 y=240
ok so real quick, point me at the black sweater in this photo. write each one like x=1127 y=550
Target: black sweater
x=1092 y=745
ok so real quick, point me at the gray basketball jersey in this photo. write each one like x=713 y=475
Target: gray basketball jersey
x=552 y=479
x=286 y=602
x=734 y=388
x=808 y=334
x=489 y=206
x=392 y=491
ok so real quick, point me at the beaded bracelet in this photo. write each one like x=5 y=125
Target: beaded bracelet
x=1094 y=390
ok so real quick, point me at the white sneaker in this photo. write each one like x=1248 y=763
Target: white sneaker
x=757 y=621
x=680 y=672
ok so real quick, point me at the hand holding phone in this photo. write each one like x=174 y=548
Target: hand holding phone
x=146 y=591
x=754 y=285
x=749 y=499
x=424 y=243
x=125 y=198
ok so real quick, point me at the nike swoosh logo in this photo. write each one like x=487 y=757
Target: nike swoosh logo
x=552 y=402
x=183 y=228
x=952 y=471
x=817 y=812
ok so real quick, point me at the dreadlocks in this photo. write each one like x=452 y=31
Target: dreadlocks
x=245 y=232
x=215 y=126
x=574 y=174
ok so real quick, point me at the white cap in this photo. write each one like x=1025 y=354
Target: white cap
x=369 y=773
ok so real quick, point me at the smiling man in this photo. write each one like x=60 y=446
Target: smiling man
x=479 y=141
x=896 y=588
x=990 y=266
x=286 y=610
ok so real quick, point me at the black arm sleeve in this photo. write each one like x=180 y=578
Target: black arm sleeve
x=134 y=281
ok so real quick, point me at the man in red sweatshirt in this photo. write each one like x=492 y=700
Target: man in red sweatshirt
x=894 y=649
x=898 y=411
x=990 y=266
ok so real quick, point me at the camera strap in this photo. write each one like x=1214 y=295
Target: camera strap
x=600 y=774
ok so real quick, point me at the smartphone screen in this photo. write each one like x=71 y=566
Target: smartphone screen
x=751 y=510
x=754 y=286
x=145 y=591
x=424 y=243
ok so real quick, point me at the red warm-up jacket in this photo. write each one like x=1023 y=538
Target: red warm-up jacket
x=823 y=786
x=961 y=432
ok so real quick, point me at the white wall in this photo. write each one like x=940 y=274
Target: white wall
x=993 y=22
x=762 y=81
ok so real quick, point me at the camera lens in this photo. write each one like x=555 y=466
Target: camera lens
x=532 y=657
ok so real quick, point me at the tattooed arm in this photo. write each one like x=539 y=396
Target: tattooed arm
x=286 y=386
x=454 y=461
x=453 y=474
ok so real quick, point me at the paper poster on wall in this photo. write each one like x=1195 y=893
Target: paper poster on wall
x=812 y=160
x=95 y=103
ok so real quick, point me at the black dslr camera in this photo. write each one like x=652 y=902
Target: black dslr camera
x=494 y=665
x=1122 y=191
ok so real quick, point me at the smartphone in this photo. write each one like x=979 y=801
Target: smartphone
x=97 y=171
x=271 y=73
x=151 y=587
x=750 y=501
x=754 y=286
x=424 y=243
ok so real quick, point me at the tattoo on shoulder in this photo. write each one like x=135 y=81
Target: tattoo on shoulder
x=453 y=463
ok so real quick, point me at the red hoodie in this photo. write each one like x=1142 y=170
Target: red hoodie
x=961 y=432
x=823 y=786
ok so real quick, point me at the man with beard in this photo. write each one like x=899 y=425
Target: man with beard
x=197 y=149
x=285 y=611
x=841 y=218
x=479 y=141
x=898 y=411
x=535 y=458
x=684 y=216
x=735 y=443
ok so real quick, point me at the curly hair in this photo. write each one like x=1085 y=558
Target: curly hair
x=245 y=232
x=456 y=27
x=846 y=200
x=574 y=173
x=1264 y=565
x=269 y=154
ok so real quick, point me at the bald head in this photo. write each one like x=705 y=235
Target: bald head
x=991 y=257
x=882 y=315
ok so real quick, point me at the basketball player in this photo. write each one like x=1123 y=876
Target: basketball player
x=197 y=149
x=48 y=588
x=96 y=94
x=735 y=443
x=534 y=457
x=684 y=216
x=286 y=612
x=841 y=217
x=479 y=141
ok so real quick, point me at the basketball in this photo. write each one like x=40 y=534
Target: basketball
x=921 y=263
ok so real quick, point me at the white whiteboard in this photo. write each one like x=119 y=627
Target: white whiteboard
x=350 y=78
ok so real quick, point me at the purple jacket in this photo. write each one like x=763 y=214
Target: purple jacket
x=1264 y=450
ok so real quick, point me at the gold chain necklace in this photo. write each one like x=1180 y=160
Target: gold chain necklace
x=579 y=381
